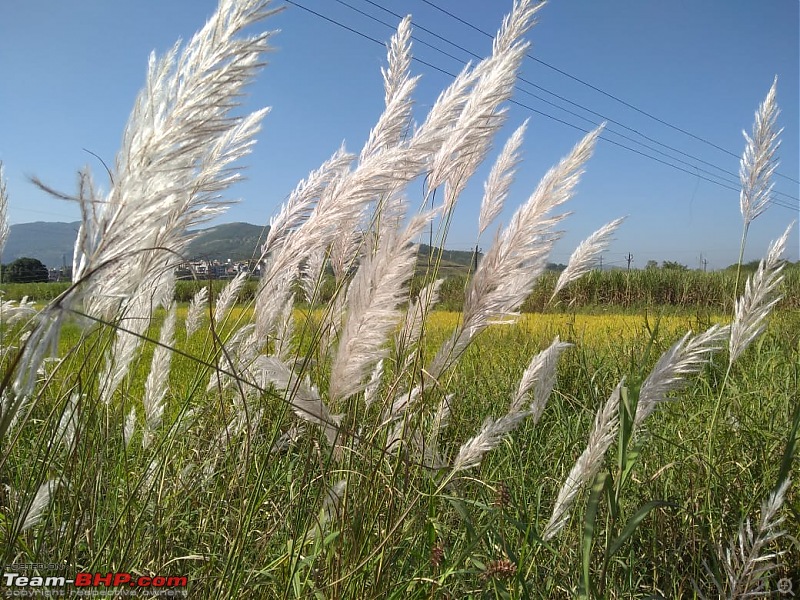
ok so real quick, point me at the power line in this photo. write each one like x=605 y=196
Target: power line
x=695 y=173
x=600 y=91
x=527 y=92
x=555 y=95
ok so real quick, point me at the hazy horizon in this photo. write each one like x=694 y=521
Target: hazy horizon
x=75 y=69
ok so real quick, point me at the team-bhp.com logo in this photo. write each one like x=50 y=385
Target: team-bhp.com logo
x=17 y=584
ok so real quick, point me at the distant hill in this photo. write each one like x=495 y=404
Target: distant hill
x=51 y=243
x=235 y=241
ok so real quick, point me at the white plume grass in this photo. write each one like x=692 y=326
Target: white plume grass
x=176 y=161
x=539 y=377
x=509 y=270
x=758 y=299
x=747 y=561
x=685 y=357
x=3 y=210
x=606 y=425
x=758 y=162
x=157 y=384
x=498 y=184
x=197 y=308
x=228 y=296
x=538 y=380
x=373 y=299
x=585 y=256
x=34 y=512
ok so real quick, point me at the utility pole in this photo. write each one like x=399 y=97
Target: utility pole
x=629 y=258
x=705 y=263
x=601 y=262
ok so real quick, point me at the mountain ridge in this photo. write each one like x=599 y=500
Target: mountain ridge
x=52 y=243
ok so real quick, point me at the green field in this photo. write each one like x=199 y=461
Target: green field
x=241 y=518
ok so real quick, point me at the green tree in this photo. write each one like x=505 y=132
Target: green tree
x=651 y=264
x=669 y=264
x=25 y=270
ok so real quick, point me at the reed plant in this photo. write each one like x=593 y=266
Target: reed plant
x=345 y=452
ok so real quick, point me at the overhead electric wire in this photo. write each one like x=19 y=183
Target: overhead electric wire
x=534 y=110
x=598 y=90
x=570 y=112
x=567 y=100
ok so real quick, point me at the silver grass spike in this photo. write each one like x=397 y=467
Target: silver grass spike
x=228 y=296
x=157 y=383
x=492 y=432
x=747 y=562
x=509 y=270
x=36 y=509
x=606 y=424
x=175 y=162
x=498 y=184
x=373 y=297
x=129 y=427
x=758 y=299
x=197 y=309
x=585 y=256
x=538 y=380
x=685 y=357
x=758 y=162
x=3 y=210
x=66 y=433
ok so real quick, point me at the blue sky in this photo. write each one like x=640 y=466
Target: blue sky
x=71 y=71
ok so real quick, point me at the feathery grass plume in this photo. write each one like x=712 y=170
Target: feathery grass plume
x=758 y=299
x=758 y=162
x=330 y=508
x=129 y=427
x=410 y=332
x=311 y=275
x=685 y=357
x=472 y=132
x=398 y=88
x=373 y=297
x=373 y=385
x=303 y=397
x=431 y=457
x=746 y=564
x=508 y=271
x=492 y=432
x=132 y=324
x=283 y=341
x=68 y=425
x=3 y=210
x=175 y=162
x=197 y=308
x=301 y=202
x=584 y=257
x=539 y=377
x=324 y=211
x=35 y=510
x=606 y=424
x=157 y=383
x=228 y=296
x=346 y=249
x=12 y=311
x=498 y=184
x=127 y=341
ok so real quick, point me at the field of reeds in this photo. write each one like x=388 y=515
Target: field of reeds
x=341 y=438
